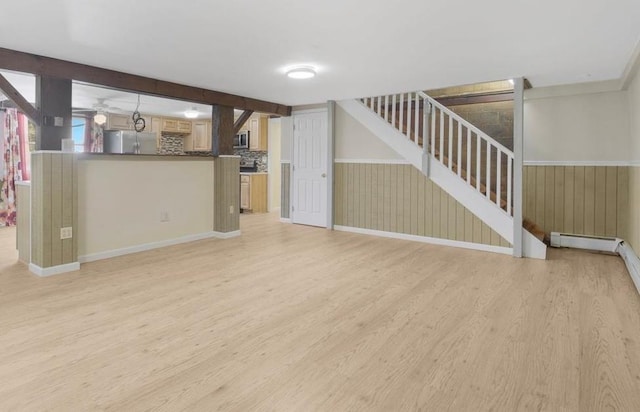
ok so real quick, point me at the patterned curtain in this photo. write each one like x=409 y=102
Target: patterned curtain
x=92 y=136
x=88 y=133
x=96 y=136
x=14 y=163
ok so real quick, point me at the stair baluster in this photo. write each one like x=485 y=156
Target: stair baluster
x=429 y=125
x=440 y=132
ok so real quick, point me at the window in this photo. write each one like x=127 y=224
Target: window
x=77 y=127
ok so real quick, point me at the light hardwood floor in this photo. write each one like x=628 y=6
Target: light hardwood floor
x=294 y=318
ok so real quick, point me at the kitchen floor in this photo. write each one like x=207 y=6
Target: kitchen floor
x=295 y=318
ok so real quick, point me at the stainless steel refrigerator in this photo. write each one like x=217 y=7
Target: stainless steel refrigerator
x=130 y=142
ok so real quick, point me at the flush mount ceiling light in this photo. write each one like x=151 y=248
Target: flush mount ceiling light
x=100 y=118
x=191 y=113
x=301 y=72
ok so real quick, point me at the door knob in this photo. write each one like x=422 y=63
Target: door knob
x=324 y=175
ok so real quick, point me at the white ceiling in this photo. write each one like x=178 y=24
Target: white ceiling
x=360 y=47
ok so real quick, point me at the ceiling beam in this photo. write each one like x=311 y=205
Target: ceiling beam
x=222 y=130
x=46 y=66
x=241 y=120
x=473 y=99
x=23 y=105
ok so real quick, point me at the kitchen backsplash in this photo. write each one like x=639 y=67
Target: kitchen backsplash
x=261 y=158
x=171 y=145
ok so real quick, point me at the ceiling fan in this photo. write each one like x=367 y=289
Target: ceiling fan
x=98 y=111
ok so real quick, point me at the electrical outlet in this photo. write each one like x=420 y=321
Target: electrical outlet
x=164 y=216
x=231 y=209
x=66 y=233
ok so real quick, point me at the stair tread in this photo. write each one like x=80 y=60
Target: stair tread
x=532 y=227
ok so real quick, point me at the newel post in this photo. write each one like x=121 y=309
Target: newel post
x=518 y=143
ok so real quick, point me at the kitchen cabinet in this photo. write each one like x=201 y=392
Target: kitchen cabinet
x=176 y=126
x=200 y=138
x=253 y=192
x=119 y=122
x=154 y=125
x=258 y=125
x=201 y=135
x=184 y=126
x=245 y=192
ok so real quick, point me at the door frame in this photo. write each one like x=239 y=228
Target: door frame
x=329 y=111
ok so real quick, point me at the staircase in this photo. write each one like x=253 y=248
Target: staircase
x=464 y=161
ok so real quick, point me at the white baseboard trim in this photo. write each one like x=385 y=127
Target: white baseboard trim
x=285 y=220
x=632 y=261
x=602 y=244
x=53 y=270
x=425 y=239
x=155 y=245
x=226 y=235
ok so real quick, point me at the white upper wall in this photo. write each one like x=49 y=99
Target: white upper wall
x=121 y=199
x=582 y=123
x=286 y=138
x=634 y=114
x=275 y=147
x=354 y=141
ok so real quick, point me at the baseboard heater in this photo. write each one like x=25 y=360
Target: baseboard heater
x=602 y=244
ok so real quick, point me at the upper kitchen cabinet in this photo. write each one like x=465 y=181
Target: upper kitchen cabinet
x=200 y=138
x=176 y=126
x=154 y=125
x=201 y=135
x=119 y=122
x=258 y=129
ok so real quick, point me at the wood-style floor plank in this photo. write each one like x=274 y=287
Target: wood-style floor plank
x=293 y=318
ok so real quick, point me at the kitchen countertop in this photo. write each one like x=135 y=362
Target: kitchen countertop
x=156 y=157
x=254 y=173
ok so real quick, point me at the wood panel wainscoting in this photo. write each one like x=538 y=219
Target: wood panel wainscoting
x=226 y=183
x=285 y=188
x=318 y=320
x=585 y=200
x=398 y=198
x=23 y=221
x=634 y=208
x=54 y=203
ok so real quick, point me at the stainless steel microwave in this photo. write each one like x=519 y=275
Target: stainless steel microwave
x=241 y=141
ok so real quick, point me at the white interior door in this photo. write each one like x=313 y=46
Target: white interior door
x=309 y=191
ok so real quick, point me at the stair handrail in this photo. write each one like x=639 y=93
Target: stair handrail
x=466 y=124
x=492 y=186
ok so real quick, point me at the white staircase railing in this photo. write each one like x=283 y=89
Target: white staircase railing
x=484 y=163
